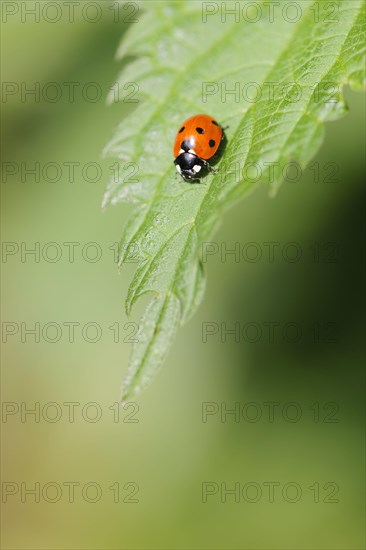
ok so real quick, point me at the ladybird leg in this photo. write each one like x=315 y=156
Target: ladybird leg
x=193 y=180
x=209 y=167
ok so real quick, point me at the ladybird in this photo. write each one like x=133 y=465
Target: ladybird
x=197 y=141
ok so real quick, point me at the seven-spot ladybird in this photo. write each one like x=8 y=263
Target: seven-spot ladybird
x=197 y=140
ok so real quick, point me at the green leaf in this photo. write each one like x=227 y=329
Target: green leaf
x=273 y=83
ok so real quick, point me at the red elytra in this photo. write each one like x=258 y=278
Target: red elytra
x=200 y=134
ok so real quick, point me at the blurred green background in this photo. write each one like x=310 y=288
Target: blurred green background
x=169 y=453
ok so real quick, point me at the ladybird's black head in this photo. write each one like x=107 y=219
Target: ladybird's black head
x=189 y=166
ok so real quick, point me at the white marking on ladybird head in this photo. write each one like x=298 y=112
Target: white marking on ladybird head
x=181 y=151
x=191 y=151
x=178 y=168
x=196 y=168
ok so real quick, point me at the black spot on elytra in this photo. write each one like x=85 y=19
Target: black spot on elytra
x=200 y=130
x=212 y=143
x=181 y=130
x=214 y=122
x=186 y=145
